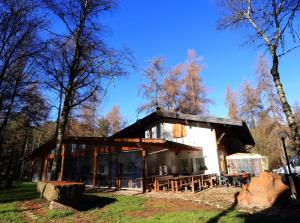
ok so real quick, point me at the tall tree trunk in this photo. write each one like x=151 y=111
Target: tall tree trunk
x=285 y=105
x=59 y=111
x=60 y=137
x=24 y=148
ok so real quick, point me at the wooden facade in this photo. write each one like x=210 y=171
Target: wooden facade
x=99 y=160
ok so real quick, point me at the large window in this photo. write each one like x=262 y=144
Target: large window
x=200 y=164
x=184 y=165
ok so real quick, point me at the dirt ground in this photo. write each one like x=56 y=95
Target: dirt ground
x=162 y=205
x=220 y=198
x=34 y=209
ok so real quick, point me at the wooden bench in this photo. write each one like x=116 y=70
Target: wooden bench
x=196 y=182
x=162 y=182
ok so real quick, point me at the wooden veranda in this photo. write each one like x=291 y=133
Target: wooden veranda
x=96 y=147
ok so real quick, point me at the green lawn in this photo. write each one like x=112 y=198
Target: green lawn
x=106 y=207
x=9 y=200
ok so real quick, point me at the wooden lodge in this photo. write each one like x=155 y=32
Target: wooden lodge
x=163 y=151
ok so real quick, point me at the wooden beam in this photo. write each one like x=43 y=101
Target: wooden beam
x=159 y=151
x=221 y=137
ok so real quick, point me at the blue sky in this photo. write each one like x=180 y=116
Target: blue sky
x=169 y=28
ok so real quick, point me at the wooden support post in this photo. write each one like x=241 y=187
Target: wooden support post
x=144 y=171
x=61 y=174
x=95 y=167
x=176 y=186
x=193 y=186
x=155 y=184
x=45 y=169
x=211 y=182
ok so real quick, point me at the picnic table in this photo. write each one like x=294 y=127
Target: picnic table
x=238 y=179
x=193 y=182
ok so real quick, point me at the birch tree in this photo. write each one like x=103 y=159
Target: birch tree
x=82 y=61
x=274 y=23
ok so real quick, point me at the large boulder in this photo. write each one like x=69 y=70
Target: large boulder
x=61 y=191
x=262 y=191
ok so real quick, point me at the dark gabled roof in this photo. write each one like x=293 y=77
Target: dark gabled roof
x=236 y=127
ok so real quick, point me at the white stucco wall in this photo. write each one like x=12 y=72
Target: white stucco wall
x=195 y=136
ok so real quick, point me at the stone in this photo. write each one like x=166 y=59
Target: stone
x=58 y=206
x=262 y=191
x=61 y=191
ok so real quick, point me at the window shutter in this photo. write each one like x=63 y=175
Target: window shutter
x=179 y=131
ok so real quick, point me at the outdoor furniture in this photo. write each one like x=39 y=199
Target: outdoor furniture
x=181 y=183
x=223 y=180
x=162 y=182
x=238 y=179
x=192 y=182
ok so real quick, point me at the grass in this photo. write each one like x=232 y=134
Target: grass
x=50 y=214
x=9 y=200
x=107 y=207
x=9 y=212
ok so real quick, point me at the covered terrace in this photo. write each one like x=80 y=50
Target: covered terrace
x=122 y=163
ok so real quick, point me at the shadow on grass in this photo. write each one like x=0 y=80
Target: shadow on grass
x=90 y=201
x=20 y=192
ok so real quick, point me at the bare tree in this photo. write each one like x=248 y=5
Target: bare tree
x=231 y=103
x=152 y=88
x=20 y=44
x=33 y=114
x=172 y=88
x=82 y=61
x=297 y=113
x=250 y=104
x=88 y=115
x=103 y=127
x=194 y=97
x=275 y=24
x=115 y=120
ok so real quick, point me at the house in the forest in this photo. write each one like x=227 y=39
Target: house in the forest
x=162 y=143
